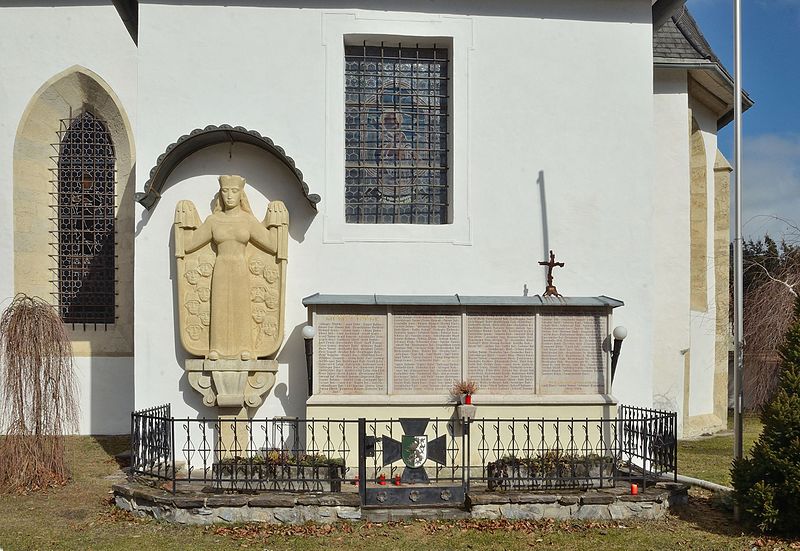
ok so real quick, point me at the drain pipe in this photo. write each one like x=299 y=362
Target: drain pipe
x=700 y=483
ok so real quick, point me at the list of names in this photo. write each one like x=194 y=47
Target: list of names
x=573 y=361
x=501 y=350
x=351 y=353
x=427 y=351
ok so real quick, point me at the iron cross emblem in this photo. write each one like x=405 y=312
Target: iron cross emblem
x=414 y=449
x=550 y=290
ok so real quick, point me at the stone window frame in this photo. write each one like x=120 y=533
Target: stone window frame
x=61 y=97
x=455 y=32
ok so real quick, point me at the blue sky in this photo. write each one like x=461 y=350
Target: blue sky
x=771 y=128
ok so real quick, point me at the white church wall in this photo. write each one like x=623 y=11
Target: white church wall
x=547 y=93
x=39 y=40
x=671 y=240
x=105 y=387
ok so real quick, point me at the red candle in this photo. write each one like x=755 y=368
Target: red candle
x=468 y=399
x=634 y=489
x=382 y=479
x=397 y=480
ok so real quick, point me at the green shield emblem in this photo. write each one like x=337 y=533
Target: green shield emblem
x=414 y=450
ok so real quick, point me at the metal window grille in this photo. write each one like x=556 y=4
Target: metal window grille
x=84 y=205
x=396 y=134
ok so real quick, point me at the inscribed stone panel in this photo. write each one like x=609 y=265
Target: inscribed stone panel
x=573 y=360
x=501 y=354
x=427 y=351
x=351 y=352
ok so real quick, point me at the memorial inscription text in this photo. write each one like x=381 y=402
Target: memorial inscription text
x=430 y=348
x=573 y=361
x=351 y=353
x=426 y=351
x=501 y=349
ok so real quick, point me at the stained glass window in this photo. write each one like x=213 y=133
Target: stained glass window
x=85 y=205
x=396 y=134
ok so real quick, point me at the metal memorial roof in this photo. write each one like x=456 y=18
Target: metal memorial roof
x=460 y=300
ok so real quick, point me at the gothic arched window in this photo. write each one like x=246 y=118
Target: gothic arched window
x=85 y=210
x=396 y=134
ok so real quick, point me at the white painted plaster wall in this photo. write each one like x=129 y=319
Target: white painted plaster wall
x=105 y=386
x=555 y=92
x=38 y=41
x=671 y=246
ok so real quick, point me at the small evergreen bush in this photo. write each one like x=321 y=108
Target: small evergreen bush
x=767 y=484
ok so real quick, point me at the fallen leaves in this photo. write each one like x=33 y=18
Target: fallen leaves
x=544 y=526
x=773 y=544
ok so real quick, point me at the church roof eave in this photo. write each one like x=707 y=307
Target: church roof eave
x=711 y=84
x=679 y=44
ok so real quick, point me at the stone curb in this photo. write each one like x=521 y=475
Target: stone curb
x=293 y=508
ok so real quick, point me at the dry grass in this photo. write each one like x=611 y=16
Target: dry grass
x=78 y=516
x=38 y=396
x=709 y=458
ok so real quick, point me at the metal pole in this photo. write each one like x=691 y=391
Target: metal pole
x=362 y=460
x=738 y=290
x=310 y=365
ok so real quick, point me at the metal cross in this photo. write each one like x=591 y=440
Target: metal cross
x=550 y=290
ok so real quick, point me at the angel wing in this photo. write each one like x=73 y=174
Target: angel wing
x=186 y=218
x=193 y=282
x=278 y=217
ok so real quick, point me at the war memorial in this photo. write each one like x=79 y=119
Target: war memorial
x=387 y=434
x=369 y=259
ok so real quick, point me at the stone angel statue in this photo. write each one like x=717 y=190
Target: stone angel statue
x=231 y=276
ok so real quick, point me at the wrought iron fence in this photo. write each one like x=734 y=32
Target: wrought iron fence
x=292 y=454
x=648 y=440
x=152 y=450
x=540 y=454
x=287 y=454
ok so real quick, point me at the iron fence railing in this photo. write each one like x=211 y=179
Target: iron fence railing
x=292 y=454
x=648 y=440
x=152 y=451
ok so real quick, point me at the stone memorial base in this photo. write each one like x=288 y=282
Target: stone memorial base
x=193 y=506
x=233 y=385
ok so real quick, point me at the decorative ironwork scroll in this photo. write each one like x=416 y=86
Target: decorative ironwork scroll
x=85 y=209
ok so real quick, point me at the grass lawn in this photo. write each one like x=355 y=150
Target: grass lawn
x=79 y=516
x=710 y=458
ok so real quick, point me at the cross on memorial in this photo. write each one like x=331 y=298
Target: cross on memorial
x=550 y=290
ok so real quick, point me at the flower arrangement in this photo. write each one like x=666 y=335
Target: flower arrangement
x=465 y=390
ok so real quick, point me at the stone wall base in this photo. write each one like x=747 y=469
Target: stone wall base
x=295 y=508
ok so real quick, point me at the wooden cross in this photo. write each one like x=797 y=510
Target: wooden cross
x=550 y=290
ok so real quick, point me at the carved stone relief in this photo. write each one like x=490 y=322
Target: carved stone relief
x=231 y=279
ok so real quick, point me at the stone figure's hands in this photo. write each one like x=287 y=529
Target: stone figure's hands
x=277 y=215
x=186 y=216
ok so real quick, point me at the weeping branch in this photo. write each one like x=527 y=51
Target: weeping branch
x=38 y=396
x=768 y=309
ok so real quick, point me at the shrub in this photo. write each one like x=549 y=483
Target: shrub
x=38 y=396
x=767 y=484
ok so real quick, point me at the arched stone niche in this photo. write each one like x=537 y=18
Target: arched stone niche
x=65 y=96
x=201 y=138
